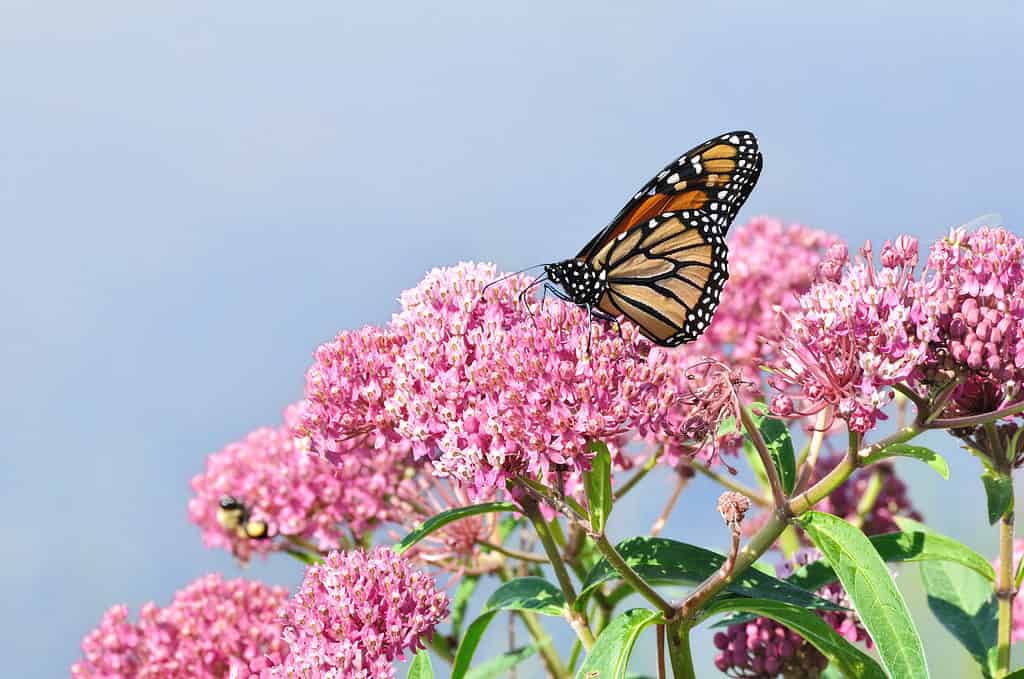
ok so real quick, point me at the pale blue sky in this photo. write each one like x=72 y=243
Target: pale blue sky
x=193 y=195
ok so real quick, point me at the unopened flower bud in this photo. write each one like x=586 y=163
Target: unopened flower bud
x=733 y=507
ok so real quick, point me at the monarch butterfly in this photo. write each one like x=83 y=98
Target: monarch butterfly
x=662 y=261
x=234 y=516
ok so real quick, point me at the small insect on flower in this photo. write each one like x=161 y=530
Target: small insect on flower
x=662 y=262
x=235 y=517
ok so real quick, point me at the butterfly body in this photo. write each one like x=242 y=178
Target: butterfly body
x=662 y=262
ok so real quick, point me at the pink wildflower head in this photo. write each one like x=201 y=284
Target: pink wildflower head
x=1018 y=602
x=488 y=389
x=763 y=649
x=973 y=303
x=850 y=340
x=296 y=495
x=212 y=627
x=347 y=390
x=356 y=613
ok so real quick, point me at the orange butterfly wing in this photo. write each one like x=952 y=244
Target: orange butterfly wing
x=715 y=178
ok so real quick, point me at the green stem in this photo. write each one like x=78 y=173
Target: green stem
x=721 y=479
x=631 y=576
x=513 y=553
x=778 y=494
x=679 y=655
x=640 y=474
x=575 y=618
x=870 y=496
x=1005 y=590
x=548 y=655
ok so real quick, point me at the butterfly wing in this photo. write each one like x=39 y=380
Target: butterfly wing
x=666 y=275
x=715 y=177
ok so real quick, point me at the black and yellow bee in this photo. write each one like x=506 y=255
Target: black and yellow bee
x=234 y=516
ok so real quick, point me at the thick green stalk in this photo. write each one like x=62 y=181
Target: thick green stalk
x=1005 y=593
x=575 y=618
x=616 y=561
x=679 y=655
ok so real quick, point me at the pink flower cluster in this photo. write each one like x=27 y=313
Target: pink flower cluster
x=482 y=385
x=763 y=648
x=851 y=338
x=975 y=301
x=213 y=626
x=356 y=613
x=297 y=494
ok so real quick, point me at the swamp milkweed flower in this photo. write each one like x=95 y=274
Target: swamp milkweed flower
x=299 y=496
x=356 y=613
x=851 y=339
x=213 y=627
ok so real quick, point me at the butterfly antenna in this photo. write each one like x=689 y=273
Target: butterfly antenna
x=508 y=276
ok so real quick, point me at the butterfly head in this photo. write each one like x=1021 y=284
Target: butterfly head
x=581 y=282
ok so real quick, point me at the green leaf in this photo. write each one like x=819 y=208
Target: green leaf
x=598 y=483
x=498 y=666
x=999 y=492
x=780 y=447
x=917 y=545
x=421 y=667
x=527 y=594
x=965 y=605
x=1019 y=674
x=461 y=600
x=808 y=624
x=441 y=520
x=522 y=594
x=660 y=560
x=869 y=584
x=610 y=655
x=926 y=455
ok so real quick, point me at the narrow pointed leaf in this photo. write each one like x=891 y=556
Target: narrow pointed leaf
x=522 y=594
x=441 y=520
x=846 y=657
x=926 y=455
x=609 y=657
x=874 y=595
x=421 y=667
x=598 y=484
x=500 y=665
x=965 y=605
x=780 y=447
x=664 y=561
x=999 y=493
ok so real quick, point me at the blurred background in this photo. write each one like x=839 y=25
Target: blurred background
x=194 y=195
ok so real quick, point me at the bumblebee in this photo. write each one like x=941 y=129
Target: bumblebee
x=234 y=516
